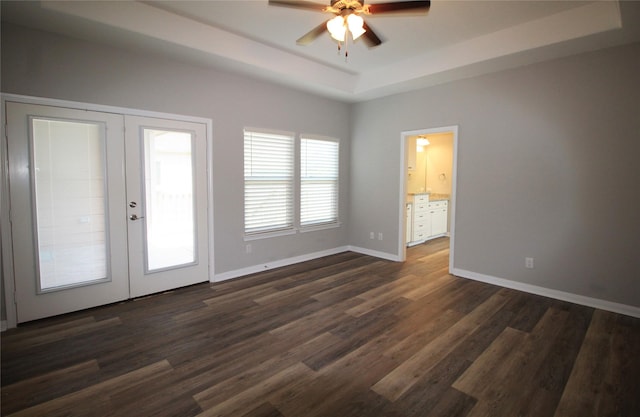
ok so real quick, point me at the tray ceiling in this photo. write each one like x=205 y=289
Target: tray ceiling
x=456 y=39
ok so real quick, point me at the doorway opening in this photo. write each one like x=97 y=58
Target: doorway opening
x=428 y=187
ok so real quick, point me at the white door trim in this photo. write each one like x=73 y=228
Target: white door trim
x=5 y=207
x=402 y=211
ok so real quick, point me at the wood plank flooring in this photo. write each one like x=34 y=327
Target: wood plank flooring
x=345 y=335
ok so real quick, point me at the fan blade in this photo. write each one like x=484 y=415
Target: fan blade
x=400 y=6
x=308 y=5
x=370 y=37
x=310 y=36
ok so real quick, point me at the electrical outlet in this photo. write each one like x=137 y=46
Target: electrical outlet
x=371 y=235
x=379 y=235
x=528 y=263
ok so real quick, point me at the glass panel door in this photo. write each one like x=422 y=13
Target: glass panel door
x=68 y=213
x=166 y=192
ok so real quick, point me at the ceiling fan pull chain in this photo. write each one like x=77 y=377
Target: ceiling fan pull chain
x=346 y=47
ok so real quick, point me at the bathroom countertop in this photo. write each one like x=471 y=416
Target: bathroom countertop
x=438 y=197
x=432 y=196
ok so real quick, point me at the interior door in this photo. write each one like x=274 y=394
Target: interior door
x=68 y=212
x=167 y=204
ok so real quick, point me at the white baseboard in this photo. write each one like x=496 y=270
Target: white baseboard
x=223 y=276
x=528 y=288
x=551 y=293
x=377 y=254
x=3 y=325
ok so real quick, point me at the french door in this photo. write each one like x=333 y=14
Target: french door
x=99 y=215
x=166 y=186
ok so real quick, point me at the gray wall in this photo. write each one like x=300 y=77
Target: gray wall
x=46 y=65
x=547 y=167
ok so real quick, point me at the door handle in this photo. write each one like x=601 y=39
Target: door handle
x=135 y=217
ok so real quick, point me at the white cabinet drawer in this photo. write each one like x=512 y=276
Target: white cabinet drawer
x=437 y=204
x=419 y=235
x=419 y=217
x=420 y=226
x=421 y=198
x=419 y=207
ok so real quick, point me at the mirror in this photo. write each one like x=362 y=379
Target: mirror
x=429 y=163
x=417 y=168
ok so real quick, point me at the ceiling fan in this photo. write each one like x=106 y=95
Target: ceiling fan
x=347 y=17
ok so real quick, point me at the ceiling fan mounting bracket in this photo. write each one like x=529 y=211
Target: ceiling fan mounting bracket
x=344 y=7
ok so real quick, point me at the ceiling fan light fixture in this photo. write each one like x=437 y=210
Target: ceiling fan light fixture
x=355 y=24
x=337 y=28
x=347 y=18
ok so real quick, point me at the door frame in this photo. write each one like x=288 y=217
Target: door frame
x=402 y=210
x=5 y=205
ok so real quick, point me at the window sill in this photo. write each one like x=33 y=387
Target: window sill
x=266 y=235
x=302 y=229
x=316 y=227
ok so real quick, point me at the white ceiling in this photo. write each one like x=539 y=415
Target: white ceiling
x=455 y=39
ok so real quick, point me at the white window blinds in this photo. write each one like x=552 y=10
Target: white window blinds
x=318 y=181
x=268 y=182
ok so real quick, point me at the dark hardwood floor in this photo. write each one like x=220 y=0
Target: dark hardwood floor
x=345 y=335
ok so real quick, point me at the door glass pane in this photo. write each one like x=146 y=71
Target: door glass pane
x=168 y=179
x=69 y=191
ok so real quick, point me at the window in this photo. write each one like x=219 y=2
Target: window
x=318 y=181
x=268 y=182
